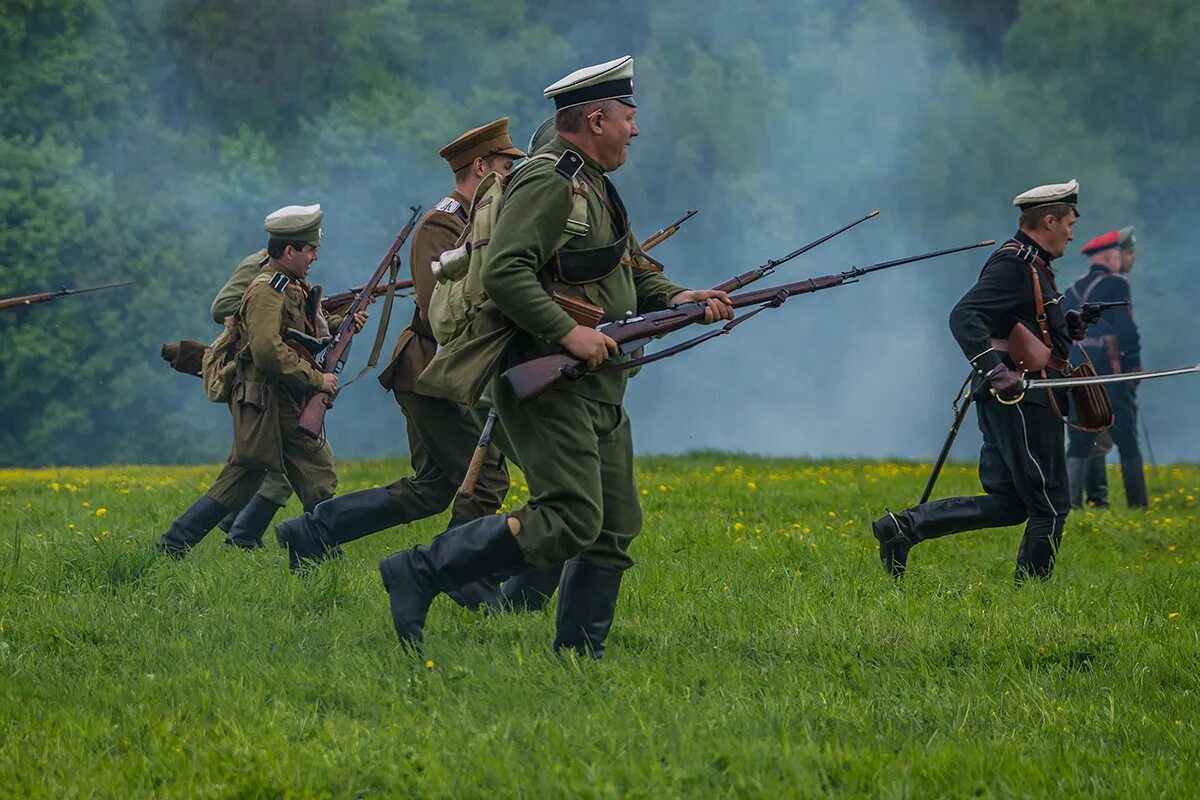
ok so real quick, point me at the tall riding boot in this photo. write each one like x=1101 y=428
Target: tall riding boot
x=191 y=526
x=316 y=534
x=899 y=533
x=251 y=523
x=1039 y=547
x=530 y=590
x=227 y=523
x=1135 y=482
x=1076 y=474
x=587 y=601
x=483 y=593
x=1096 y=482
x=473 y=550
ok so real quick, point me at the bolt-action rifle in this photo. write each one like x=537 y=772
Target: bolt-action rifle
x=533 y=377
x=312 y=418
x=43 y=297
x=736 y=282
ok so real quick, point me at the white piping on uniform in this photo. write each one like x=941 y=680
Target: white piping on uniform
x=1028 y=452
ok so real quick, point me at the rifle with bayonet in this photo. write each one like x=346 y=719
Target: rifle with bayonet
x=533 y=377
x=43 y=297
x=312 y=418
x=738 y=281
x=655 y=239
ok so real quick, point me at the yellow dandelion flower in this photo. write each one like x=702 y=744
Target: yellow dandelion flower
x=86 y=504
x=100 y=512
x=751 y=485
x=429 y=664
x=1173 y=615
x=737 y=526
x=832 y=514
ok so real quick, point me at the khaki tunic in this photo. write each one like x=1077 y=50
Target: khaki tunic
x=276 y=487
x=574 y=443
x=287 y=379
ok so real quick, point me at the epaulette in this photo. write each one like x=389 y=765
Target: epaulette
x=263 y=262
x=279 y=281
x=569 y=164
x=448 y=205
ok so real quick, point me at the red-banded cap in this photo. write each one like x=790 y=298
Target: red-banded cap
x=1105 y=241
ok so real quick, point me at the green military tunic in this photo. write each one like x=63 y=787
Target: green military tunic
x=276 y=487
x=273 y=374
x=441 y=438
x=574 y=443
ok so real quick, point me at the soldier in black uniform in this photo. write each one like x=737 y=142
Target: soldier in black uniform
x=1114 y=345
x=1021 y=466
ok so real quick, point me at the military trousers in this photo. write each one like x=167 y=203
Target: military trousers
x=307 y=467
x=1022 y=468
x=577 y=456
x=441 y=441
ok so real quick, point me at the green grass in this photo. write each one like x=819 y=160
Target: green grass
x=758 y=651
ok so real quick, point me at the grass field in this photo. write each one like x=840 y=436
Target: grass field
x=758 y=651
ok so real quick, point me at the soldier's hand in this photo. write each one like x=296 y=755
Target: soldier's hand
x=716 y=303
x=1008 y=384
x=360 y=320
x=1077 y=325
x=589 y=345
x=329 y=383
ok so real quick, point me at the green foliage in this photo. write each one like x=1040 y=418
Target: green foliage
x=145 y=140
x=758 y=650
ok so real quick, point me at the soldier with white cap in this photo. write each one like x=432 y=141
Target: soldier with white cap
x=270 y=384
x=1022 y=466
x=573 y=443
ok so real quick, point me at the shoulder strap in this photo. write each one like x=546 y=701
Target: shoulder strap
x=1083 y=298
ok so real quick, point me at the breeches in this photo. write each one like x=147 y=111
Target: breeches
x=577 y=455
x=307 y=467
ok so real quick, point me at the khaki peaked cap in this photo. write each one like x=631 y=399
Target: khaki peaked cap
x=295 y=223
x=481 y=142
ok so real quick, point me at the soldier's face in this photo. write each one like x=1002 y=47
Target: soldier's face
x=615 y=128
x=1127 y=259
x=499 y=164
x=300 y=261
x=1059 y=232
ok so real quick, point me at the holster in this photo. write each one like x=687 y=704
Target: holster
x=583 y=312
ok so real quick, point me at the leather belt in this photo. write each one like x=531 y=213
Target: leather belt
x=1052 y=362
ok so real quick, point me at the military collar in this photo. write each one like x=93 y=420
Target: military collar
x=275 y=265
x=461 y=198
x=559 y=145
x=1026 y=239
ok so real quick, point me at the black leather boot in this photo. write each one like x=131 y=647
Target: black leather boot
x=315 y=535
x=530 y=590
x=1096 y=482
x=191 y=526
x=1135 y=482
x=587 y=601
x=895 y=540
x=461 y=555
x=483 y=593
x=251 y=523
x=1077 y=468
x=1036 y=555
x=227 y=523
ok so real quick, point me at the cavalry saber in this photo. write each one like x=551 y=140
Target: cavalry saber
x=1121 y=377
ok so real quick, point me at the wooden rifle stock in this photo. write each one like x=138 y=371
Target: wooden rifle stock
x=481 y=447
x=312 y=418
x=655 y=239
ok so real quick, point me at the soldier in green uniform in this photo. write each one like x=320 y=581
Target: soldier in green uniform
x=245 y=527
x=271 y=383
x=441 y=438
x=574 y=443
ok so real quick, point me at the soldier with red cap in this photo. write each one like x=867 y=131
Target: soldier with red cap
x=1114 y=345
